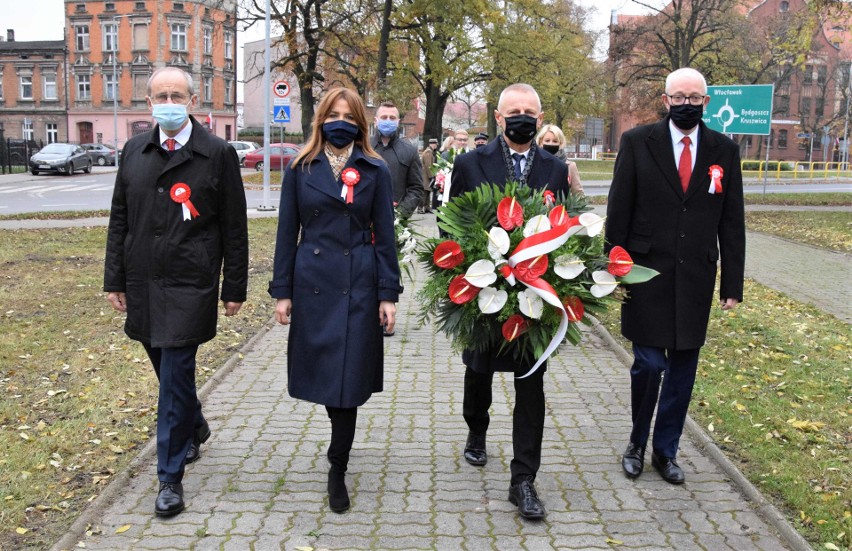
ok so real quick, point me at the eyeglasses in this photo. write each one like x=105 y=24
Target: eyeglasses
x=175 y=97
x=679 y=99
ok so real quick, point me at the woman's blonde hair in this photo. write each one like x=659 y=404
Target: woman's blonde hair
x=448 y=142
x=316 y=142
x=553 y=129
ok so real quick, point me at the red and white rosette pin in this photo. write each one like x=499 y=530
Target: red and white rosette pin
x=716 y=174
x=180 y=193
x=350 y=177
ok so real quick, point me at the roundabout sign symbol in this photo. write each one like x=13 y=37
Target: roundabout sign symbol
x=726 y=116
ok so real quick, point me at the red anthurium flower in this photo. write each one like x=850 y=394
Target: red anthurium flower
x=559 y=216
x=574 y=307
x=620 y=262
x=531 y=269
x=549 y=197
x=510 y=214
x=514 y=327
x=461 y=290
x=448 y=255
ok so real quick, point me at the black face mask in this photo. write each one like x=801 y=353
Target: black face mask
x=551 y=148
x=340 y=133
x=520 y=129
x=686 y=116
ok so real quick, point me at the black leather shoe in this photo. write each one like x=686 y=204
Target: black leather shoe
x=633 y=460
x=525 y=497
x=668 y=469
x=474 y=450
x=338 y=495
x=169 y=500
x=202 y=434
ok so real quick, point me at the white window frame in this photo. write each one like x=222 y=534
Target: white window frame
x=26 y=84
x=229 y=42
x=207 y=86
x=178 y=33
x=229 y=85
x=110 y=86
x=27 y=131
x=84 y=87
x=49 y=86
x=207 y=40
x=81 y=33
x=51 y=132
x=110 y=38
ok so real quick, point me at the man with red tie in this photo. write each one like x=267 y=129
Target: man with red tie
x=676 y=205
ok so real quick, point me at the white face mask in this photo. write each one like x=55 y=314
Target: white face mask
x=170 y=116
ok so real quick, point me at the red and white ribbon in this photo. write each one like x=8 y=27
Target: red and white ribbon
x=350 y=177
x=715 y=174
x=181 y=193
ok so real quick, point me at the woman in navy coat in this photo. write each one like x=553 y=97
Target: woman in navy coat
x=336 y=275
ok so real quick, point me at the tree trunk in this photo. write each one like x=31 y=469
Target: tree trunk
x=306 y=95
x=384 y=38
x=435 y=104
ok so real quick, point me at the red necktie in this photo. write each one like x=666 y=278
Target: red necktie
x=684 y=168
x=170 y=145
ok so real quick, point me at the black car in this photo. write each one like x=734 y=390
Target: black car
x=63 y=158
x=101 y=154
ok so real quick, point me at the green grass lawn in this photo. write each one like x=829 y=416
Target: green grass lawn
x=830 y=230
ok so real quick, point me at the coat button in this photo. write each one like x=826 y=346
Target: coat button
x=680 y=261
x=346 y=252
x=316 y=251
x=345 y=291
x=683 y=209
x=346 y=214
x=158 y=234
x=316 y=290
x=160 y=190
x=682 y=234
x=316 y=213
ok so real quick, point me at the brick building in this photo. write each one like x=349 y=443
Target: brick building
x=33 y=95
x=114 y=46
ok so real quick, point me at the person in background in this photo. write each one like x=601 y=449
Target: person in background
x=676 y=205
x=177 y=222
x=427 y=158
x=460 y=142
x=335 y=272
x=402 y=160
x=551 y=139
x=480 y=140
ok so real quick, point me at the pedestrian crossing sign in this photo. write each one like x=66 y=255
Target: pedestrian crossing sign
x=281 y=113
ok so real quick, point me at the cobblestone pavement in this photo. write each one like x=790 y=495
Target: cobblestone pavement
x=260 y=483
x=808 y=274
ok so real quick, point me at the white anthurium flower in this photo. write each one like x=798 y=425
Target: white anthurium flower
x=568 y=266
x=537 y=224
x=404 y=235
x=605 y=283
x=592 y=224
x=481 y=273
x=396 y=221
x=530 y=304
x=409 y=246
x=406 y=259
x=492 y=300
x=498 y=243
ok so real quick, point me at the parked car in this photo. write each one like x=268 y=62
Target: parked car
x=243 y=148
x=63 y=158
x=101 y=154
x=280 y=155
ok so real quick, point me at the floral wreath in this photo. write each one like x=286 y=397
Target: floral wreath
x=519 y=269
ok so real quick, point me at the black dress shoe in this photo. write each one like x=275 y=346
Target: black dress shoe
x=474 y=450
x=201 y=435
x=668 y=469
x=169 y=500
x=633 y=460
x=338 y=495
x=524 y=496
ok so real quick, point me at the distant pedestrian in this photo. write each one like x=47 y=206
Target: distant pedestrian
x=480 y=140
x=335 y=273
x=177 y=222
x=676 y=205
x=402 y=160
x=551 y=139
x=428 y=158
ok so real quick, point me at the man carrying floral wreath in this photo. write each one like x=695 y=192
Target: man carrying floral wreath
x=513 y=156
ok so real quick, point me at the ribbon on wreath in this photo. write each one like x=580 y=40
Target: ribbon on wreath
x=529 y=248
x=180 y=194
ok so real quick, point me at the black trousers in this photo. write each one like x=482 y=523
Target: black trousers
x=178 y=408
x=343 y=421
x=527 y=418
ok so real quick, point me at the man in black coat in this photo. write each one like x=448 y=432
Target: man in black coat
x=402 y=159
x=676 y=192
x=511 y=156
x=177 y=222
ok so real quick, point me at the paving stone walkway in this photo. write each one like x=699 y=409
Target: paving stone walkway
x=260 y=483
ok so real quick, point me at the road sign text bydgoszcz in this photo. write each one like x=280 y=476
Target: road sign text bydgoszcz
x=740 y=109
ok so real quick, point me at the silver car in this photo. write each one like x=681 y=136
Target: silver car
x=243 y=149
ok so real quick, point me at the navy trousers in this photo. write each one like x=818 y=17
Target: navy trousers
x=677 y=370
x=527 y=418
x=178 y=408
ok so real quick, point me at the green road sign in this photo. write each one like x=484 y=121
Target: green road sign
x=740 y=109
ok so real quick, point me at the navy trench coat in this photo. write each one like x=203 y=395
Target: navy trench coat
x=169 y=267
x=327 y=262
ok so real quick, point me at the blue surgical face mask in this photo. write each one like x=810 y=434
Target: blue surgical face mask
x=387 y=127
x=340 y=133
x=170 y=116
